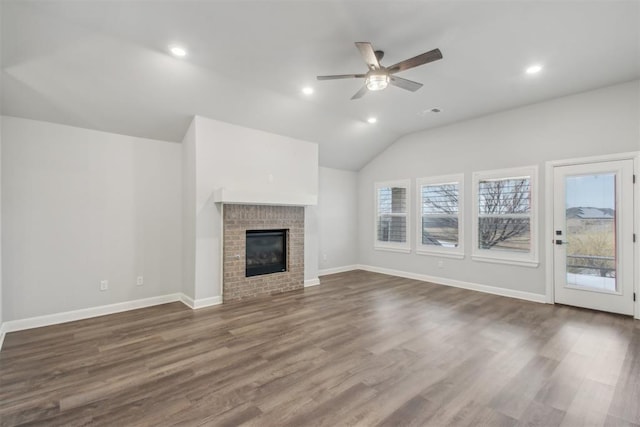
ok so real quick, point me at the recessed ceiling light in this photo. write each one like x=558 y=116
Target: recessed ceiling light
x=307 y=90
x=372 y=120
x=534 y=69
x=178 y=51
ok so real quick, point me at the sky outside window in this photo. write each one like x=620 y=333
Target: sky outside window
x=594 y=191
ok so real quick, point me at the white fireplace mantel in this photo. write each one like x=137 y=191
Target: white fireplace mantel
x=224 y=195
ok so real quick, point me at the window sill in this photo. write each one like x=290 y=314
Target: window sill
x=392 y=249
x=508 y=261
x=441 y=254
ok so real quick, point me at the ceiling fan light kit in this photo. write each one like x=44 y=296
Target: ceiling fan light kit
x=379 y=77
x=377 y=81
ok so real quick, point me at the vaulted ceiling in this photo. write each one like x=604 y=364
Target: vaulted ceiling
x=106 y=65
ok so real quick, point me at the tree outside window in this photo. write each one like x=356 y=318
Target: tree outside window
x=504 y=228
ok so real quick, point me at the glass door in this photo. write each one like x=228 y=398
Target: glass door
x=593 y=236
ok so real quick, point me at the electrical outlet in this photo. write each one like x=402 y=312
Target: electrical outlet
x=104 y=285
x=324 y=257
x=440 y=264
x=140 y=281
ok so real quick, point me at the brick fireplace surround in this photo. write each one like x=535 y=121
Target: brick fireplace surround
x=237 y=219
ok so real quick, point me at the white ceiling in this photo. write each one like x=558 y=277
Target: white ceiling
x=105 y=65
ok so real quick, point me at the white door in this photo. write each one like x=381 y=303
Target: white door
x=593 y=236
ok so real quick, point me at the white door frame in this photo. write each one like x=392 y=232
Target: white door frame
x=548 y=218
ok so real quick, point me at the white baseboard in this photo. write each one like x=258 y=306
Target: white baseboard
x=86 y=313
x=187 y=300
x=335 y=270
x=200 y=303
x=2 y=334
x=311 y=282
x=528 y=296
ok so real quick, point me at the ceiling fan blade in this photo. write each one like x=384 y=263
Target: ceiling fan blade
x=369 y=56
x=425 y=58
x=341 y=76
x=360 y=93
x=404 y=83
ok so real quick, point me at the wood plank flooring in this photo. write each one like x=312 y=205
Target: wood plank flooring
x=361 y=349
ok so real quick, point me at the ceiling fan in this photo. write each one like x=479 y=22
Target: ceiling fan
x=379 y=76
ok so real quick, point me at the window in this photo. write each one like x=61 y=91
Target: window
x=504 y=212
x=392 y=216
x=440 y=208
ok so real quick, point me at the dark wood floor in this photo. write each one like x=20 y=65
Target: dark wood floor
x=361 y=349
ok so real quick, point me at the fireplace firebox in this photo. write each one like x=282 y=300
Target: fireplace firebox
x=266 y=252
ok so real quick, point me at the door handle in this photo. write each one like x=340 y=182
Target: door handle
x=560 y=242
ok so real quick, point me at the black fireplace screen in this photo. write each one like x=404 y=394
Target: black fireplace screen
x=266 y=252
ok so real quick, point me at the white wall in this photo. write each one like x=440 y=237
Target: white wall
x=311 y=245
x=79 y=206
x=337 y=219
x=1 y=310
x=242 y=159
x=189 y=211
x=602 y=121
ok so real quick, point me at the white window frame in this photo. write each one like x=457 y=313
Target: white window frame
x=404 y=247
x=505 y=257
x=458 y=252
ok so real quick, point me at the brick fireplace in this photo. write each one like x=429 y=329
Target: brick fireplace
x=237 y=220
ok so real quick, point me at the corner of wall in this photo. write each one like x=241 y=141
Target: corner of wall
x=2 y=333
x=310 y=244
x=188 y=210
